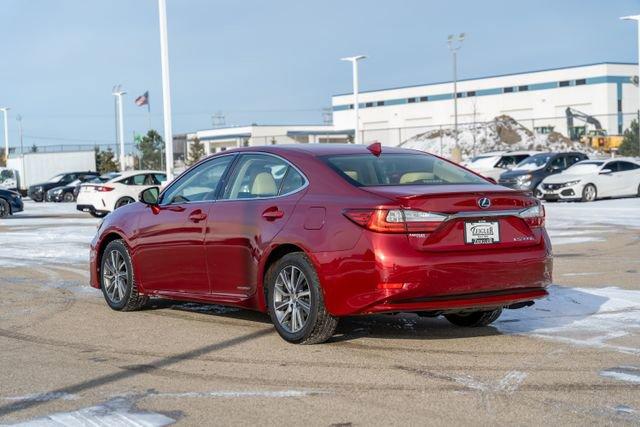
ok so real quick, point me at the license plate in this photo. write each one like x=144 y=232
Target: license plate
x=481 y=232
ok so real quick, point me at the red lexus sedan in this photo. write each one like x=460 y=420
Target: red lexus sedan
x=311 y=233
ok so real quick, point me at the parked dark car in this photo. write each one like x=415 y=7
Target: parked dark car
x=10 y=203
x=38 y=192
x=531 y=171
x=64 y=193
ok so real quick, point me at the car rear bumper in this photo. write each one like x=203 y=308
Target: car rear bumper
x=374 y=280
x=90 y=209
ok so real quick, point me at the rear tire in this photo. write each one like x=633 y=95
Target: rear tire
x=474 y=319
x=295 y=301
x=589 y=193
x=123 y=201
x=68 y=197
x=117 y=281
x=5 y=209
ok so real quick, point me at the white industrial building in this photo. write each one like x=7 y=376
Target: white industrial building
x=537 y=99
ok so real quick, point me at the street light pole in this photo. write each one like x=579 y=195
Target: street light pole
x=118 y=92
x=356 y=89
x=455 y=43
x=166 y=89
x=637 y=19
x=6 y=134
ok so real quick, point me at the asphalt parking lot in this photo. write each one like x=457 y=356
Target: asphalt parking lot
x=65 y=357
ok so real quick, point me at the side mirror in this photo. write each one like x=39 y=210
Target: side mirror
x=491 y=180
x=150 y=196
x=606 y=172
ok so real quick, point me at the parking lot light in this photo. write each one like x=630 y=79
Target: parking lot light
x=6 y=134
x=118 y=92
x=354 y=65
x=637 y=19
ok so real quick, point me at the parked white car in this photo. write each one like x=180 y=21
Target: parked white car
x=99 y=199
x=492 y=165
x=593 y=179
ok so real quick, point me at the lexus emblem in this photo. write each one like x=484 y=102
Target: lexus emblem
x=484 y=202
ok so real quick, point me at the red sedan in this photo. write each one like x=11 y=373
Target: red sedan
x=311 y=233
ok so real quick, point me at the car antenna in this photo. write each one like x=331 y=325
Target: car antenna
x=375 y=148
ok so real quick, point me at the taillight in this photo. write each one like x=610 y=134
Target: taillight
x=534 y=216
x=104 y=188
x=395 y=220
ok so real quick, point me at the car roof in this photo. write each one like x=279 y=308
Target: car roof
x=127 y=174
x=325 y=149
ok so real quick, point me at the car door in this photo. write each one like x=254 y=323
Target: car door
x=169 y=251
x=609 y=180
x=258 y=200
x=629 y=178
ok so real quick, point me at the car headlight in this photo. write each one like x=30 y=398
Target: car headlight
x=570 y=183
x=523 y=180
x=57 y=191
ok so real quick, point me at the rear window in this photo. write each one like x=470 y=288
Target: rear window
x=399 y=169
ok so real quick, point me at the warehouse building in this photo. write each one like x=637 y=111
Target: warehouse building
x=606 y=92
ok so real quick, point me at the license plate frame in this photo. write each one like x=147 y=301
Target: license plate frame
x=481 y=232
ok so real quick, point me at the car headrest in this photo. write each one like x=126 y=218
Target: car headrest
x=264 y=185
x=415 y=176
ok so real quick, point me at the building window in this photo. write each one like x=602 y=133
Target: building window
x=507 y=90
x=411 y=100
x=368 y=104
x=223 y=148
x=350 y=106
x=459 y=95
x=523 y=88
x=543 y=129
x=424 y=98
x=380 y=103
x=471 y=93
x=581 y=82
x=564 y=83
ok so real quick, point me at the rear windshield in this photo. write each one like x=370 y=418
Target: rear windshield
x=399 y=169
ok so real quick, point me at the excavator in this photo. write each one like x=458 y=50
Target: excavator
x=596 y=138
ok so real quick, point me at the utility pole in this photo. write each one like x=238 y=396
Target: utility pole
x=6 y=134
x=356 y=106
x=637 y=19
x=455 y=43
x=166 y=88
x=118 y=92
x=19 y=119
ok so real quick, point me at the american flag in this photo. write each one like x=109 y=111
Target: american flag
x=142 y=99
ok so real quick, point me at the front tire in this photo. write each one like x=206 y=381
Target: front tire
x=589 y=193
x=117 y=281
x=5 y=209
x=474 y=319
x=68 y=198
x=295 y=301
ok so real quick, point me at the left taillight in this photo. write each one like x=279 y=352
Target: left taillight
x=534 y=216
x=104 y=188
x=395 y=220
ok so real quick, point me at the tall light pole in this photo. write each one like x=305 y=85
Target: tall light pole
x=166 y=88
x=19 y=119
x=455 y=43
x=354 y=65
x=118 y=92
x=6 y=134
x=637 y=19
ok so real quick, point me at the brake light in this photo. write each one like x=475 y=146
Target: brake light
x=395 y=220
x=534 y=216
x=104 y=188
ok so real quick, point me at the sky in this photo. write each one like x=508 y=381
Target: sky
x=270 y=62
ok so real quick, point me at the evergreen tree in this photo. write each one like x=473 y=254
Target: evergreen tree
x=150 y=147
x=3 y=157
x=196 y=151
x=630 y=145
x=105 y=161
x=34 y=148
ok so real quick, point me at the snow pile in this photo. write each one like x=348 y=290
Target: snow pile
x=501 y=134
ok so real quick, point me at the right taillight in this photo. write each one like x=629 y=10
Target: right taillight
x=534 y=216
x=104 y=188
x=395 y=220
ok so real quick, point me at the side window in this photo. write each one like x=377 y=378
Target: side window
x=259 y=175
x=627 y=166
x=68 y=178
x=612 y=166
x=558 y=163
x=574 y=158
x=291 y=182
x=134 y=180
x=159 y=178
x=199 y=184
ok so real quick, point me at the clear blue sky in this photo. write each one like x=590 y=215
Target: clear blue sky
x=272 y=61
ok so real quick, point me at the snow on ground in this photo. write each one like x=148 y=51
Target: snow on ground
x=41 y=235
x=599 y=318
x=589 y=222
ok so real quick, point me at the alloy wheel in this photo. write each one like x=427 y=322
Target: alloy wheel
x=115 y=276
x=292 y=299
x=590 y=193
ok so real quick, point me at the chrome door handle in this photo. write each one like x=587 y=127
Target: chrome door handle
x=197 y=216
